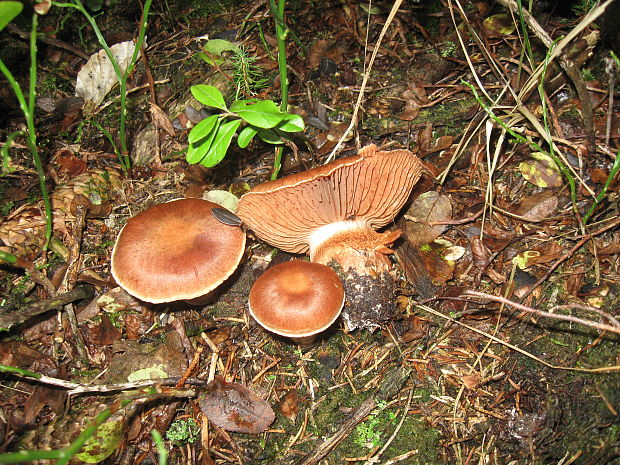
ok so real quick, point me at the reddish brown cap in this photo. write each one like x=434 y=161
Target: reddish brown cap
x=176 y=251
x=369 y=188
x=297 y=298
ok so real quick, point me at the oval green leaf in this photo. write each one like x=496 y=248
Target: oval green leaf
x=269 y=136
x=209 y=95
x=246 y=136
x=292 y=123
x=218 y=150
x=197 y=151
x=8 y=11
x=202 y=129
x=264 y=114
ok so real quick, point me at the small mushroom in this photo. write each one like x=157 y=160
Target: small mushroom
x=332 y=212
x=297 y=299
x=176 y=251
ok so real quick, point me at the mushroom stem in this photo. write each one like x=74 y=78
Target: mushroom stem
x=353 y=245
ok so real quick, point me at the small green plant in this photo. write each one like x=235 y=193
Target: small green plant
x=581 y=7
x=183 y=431
x=246 y=74
x=209 y=140
x=368 y=432
x=587 y=75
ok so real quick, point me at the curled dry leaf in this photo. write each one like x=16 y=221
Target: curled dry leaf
x=97 y=76
x=234 y=407
x=428 y=208
x=289 y=405
x=162 y=120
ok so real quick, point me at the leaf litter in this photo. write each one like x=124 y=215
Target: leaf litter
x=484 y=382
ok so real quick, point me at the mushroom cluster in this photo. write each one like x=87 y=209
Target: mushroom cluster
x=176 y=251
x=332 y=212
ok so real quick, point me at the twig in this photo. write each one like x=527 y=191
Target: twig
x=77 y=388
x=614 y=327
x=569 y=254
x=71 y=278
x=23 y=314
x=30 y=267
x=610 y=369
x=49 y=40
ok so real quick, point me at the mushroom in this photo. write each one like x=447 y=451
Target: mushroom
x=176 y=251
x=297 y=299
x=332 y=212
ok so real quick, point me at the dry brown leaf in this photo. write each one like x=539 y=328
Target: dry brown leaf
x=161 y=119
x=234 y=407
x=539 y=206
x=471 y=381
x=70 y=163
x=289 y=405
x=427 y=208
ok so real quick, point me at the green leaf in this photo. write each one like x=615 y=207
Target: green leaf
x=94 y=5
x=209 y=95
x=214 y=49
x=269 y=136
x=222 y=141
x=262 y=114
x=292 y=123
x=202 y=129
x=246 y=136
x=8 y=11
x=197 y=151
x=103 y=443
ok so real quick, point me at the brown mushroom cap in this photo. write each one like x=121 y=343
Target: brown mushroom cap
x=297 y=298
x=176 y=251
x=369 y=189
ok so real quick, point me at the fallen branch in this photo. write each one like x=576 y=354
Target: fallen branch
x=9 y=320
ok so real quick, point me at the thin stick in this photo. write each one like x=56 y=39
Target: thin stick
x=17 y=317
x=614 y=327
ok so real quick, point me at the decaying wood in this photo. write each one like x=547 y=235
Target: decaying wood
x=42 y=306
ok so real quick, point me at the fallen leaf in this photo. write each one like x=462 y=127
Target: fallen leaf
x=498 y=25
x=539 y=206
x=471 y=381
x=541 y=171
x=427 y=208
x=234 y=407
x=162 y=120
x=289 y=405
x=97 y=77
x=71 y=164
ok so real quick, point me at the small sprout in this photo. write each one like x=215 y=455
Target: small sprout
x=183 y=431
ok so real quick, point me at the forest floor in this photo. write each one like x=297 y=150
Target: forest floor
x=504 y=347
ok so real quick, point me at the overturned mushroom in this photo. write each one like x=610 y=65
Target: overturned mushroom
x=332 y=212
x=176 y=251
x=297 y=299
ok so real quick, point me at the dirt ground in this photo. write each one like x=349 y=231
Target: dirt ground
x=500 y=342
